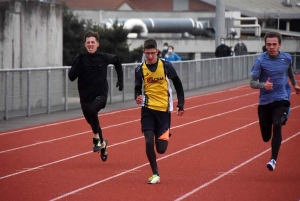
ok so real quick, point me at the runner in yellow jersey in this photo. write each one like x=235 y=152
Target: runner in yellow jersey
x=153 y=91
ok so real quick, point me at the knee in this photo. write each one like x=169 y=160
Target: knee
x=277 y=126
x=161 y=150
x=266 y=139
x=161 y=146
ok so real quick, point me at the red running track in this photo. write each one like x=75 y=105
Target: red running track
x=215 y=153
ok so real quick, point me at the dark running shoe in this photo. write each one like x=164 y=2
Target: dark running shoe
x=97 y=144
x=103 y=154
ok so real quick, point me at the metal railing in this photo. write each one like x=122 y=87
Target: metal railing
x=30 y=91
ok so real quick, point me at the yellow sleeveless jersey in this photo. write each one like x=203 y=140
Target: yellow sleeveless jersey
x=157 y=89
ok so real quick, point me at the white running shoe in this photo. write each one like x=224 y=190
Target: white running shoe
x=154 y=179
x=271 y=165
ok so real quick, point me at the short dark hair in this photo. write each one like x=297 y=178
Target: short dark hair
x=90 y=33
x=166 y=44
x=273 y=34
x=150 y=43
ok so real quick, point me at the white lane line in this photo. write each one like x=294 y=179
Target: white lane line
x=65 y=159
x=230 y=171
x=112 y=145
x=61 y=138
x=140 y=166
x=103 y=114
x=115 y=125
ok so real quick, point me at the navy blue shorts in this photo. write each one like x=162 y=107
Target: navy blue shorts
x=157 y=121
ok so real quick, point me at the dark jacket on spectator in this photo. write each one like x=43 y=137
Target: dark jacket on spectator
x=222 y=51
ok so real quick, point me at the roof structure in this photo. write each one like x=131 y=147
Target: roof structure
x=263 y=9
x=156 y=5
x=96 y=4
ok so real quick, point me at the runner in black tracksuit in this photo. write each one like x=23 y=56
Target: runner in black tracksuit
x=91 y=70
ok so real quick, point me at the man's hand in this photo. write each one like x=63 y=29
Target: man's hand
x=180 y=110
x=139 y=99
x=297 y=89
x=120 y=85
x=268 y=84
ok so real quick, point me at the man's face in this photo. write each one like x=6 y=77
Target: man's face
x=91 y=44
x=272 y=46
x=151 y=55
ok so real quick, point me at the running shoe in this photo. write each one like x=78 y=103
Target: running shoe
x=97 y=144
x=154 y=179
x=271 y=165
x=103 y=154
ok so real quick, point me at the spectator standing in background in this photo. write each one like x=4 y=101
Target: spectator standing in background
x=231 y=51
x=240 y=48
x=171 y=55
x=165 y=50
x=222 y=50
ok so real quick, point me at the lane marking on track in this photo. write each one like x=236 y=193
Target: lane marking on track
x=65 y=159
x=164 y=157
x=103 y=114
x=54 y=162
x=115 y=125
x=133 y=169
x=230 y=171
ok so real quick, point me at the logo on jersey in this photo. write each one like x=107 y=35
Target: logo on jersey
x=154 y=79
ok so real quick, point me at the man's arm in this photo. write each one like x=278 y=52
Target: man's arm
x=245 y=49
x=291 y=76
x=180 y=93
x=177 y=57
x=216 y=52
x=75 y=68
x=255 y=84
x=293 y=80
x=138 y=83
x=118 y=67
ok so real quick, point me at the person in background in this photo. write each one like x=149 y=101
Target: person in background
x=153 y=91
x=231 y=51
x=91 y=70
x=240 y=48
x=222 y=50
x=164 y=50
x=270 y=74
x=171 y=55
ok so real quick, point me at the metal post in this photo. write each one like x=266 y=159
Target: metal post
x=111 y=85
x=222 y=73
x=6 y=95
x=220 y=21
x=209 y=73
x=202 y=71
x=124 y=82
x=294 y=62
x=66 y=90
x=48 y=92
x=278 y=20
x=196 y=75
x=180 y=70
x=28 y=94
x=188 y=77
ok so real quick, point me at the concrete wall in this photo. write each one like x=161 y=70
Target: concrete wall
x=31 y=34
